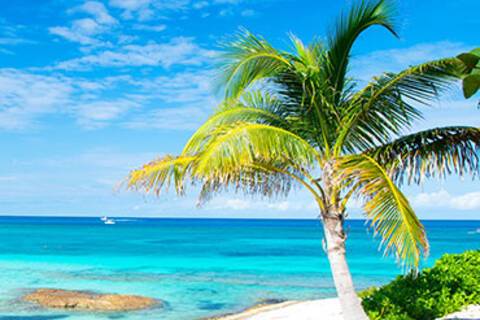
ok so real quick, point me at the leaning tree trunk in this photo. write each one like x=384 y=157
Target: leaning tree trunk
x=335 y=237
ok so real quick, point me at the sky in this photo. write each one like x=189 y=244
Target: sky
x=90 y=90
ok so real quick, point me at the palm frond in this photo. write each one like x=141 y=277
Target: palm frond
x=360 y=17
x=435 y=152
x=386 y=208
x=389 y=103
x=247 y=60
x=258 y=178
x=160 y=174
x=241 y=144
x=251 y=107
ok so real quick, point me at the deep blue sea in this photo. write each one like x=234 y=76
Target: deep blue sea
x=199 y=267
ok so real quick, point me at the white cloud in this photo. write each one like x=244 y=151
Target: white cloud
x=86 y=30
x=181 y=87
x=73 y=35
x=155 y=28
x=468 y=201
x=11 y=35
x=226 y=12
x=248 y=13
x=443 y=199
x=97 y=114
x=99 y=11
x=149 y=9
x=189 y=92
x=181 y=118
x=81 y=30
x=244 y=204
x=178 y=51
x=200 y=4
x=373 y=64
x=25 y=96
x=13 y=41
x=146 y=9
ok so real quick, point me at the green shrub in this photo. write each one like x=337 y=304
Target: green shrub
x=453 y=282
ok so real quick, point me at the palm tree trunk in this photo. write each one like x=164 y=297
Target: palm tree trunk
x=349 y=301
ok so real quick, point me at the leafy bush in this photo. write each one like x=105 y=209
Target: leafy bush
x=453 y=282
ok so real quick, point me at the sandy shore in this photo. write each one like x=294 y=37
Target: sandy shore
x=328 y=309
x=292 y=310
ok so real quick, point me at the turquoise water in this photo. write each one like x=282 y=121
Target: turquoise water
x=199 y=267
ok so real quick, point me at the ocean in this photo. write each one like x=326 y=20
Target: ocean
x=199 y=267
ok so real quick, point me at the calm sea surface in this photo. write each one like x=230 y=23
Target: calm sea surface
x=200 y=267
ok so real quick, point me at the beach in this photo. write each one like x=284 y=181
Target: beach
x=328 y=309
x=291 y=310
x=200 y=268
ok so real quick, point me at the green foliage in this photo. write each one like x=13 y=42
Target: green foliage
x=471 y=82
x=452 y=283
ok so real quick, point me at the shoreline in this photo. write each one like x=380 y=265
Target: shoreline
x=289 y=310
x=328 y=308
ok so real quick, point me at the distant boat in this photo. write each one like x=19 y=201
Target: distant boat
x=109 y=221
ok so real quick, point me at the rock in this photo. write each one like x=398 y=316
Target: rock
x=81 y=300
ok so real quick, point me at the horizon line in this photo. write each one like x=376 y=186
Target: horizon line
x=202 y=218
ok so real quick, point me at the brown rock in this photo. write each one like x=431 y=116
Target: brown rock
x=80 y=300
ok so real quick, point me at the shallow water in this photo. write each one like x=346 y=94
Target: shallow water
x=200 y=267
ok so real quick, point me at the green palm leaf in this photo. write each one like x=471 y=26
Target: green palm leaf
x=251 y=107
x=389 y=104
x=247 y=60
x=246 y=143
x=159 y=174
x=386 y=207
x=430 y=153
x=360 y=17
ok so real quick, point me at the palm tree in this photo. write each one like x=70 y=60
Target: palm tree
x=295 y=119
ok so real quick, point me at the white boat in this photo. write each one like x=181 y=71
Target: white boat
x=104 y=218
x=109 y=221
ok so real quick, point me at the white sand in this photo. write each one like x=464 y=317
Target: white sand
x=325 y=309
x=328 y=309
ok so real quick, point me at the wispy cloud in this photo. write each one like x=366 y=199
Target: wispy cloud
x=181 y=118
x=190 y=94
x=86 y=31
x=98 y=11
x=25 y=96
x=145 y=9
x=444 y=199
x=98 y=114
x=257 y=206
x=178 y=51
x=188 y=86
x=154 y=28
x=244 y=204
x=180 y=101
x=11 y=35
x=13 y=41
x=248 y=13
x=365 y=67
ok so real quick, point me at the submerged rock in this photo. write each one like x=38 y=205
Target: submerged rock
x=81 y=300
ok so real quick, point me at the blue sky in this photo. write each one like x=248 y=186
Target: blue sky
x=92 y=89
